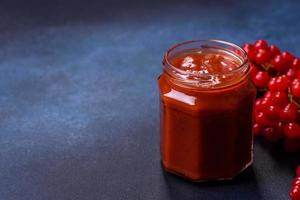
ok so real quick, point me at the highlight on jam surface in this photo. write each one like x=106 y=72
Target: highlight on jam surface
x=276 y=75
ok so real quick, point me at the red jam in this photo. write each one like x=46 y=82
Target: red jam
x=206 y=110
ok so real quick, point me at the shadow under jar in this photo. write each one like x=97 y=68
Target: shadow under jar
x=206 y=100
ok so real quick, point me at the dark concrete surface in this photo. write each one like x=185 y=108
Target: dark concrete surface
x=79 y=115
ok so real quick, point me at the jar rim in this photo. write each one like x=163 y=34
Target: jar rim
x=182 y=74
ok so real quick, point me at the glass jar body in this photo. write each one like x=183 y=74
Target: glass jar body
x=206 y=134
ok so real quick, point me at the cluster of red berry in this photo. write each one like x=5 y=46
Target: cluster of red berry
x=276 y=75
x=295 y=190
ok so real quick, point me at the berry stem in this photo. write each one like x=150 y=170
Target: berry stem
x=266 y=66
x=292 y=100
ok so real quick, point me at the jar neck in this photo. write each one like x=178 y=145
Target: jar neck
x=186 y=88
x=206 y=81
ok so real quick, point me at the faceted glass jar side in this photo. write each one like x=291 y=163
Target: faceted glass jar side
x=206 y=133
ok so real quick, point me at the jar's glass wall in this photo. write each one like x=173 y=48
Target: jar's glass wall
x=206 y=131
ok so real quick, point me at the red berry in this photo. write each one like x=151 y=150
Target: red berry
x=262 y=56
x=282 y=82
x=295 y=89
x=258 y=106
x=279 y=83
x=287 y=57
x=268 y=94
x=274 y=50
x=298 y=172
x=279 y=63
x=280 y=98
x=261 y=44
x=295 y=193
x=252 y=54
x=279 y=127
x=291 y=73
x=256 y=129
x=297 y=74
x=289 y=113
x=247 y=47
x=291 y=145
x=295 y=81
x=261 y=79
x=296 y=180
x=271 y=135
x=273 y=112
x=253 y=70
x=265 y=103
x=296 y=63
x=262 y=119
x=272 y=84
x=292 y=130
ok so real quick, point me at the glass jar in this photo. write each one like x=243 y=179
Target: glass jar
x=206 y=100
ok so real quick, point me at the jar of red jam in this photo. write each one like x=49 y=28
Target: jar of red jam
x=207 y=101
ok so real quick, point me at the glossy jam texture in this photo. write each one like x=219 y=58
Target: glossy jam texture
x=206 y=62
x=211 y=67
x=206 y=133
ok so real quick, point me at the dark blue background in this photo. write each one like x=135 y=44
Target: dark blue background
x=79 y=115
